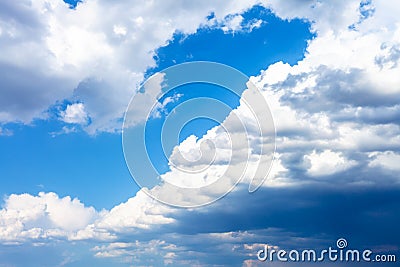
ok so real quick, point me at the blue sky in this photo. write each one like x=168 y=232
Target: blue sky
x=100 y=161
x=328 y=70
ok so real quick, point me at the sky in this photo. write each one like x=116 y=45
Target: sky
x=328 y=71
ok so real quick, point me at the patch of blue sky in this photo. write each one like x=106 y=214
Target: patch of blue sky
x=274 y=40
x=33 y=160
x=75 y=164
x=248 y=51
x=199 y=108
x=72 y=3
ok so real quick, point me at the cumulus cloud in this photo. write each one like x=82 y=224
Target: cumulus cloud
x=141 y=212
x=26 y=217
x=335 y=115
x=74 y=113
x=46 y=216
x=327 y=162
x=343 y=95
x=54 y=52
x=387 y=160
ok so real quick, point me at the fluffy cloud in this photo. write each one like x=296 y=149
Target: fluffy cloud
x=327 y=162
x=74 y=113
x=55 y=53
x=336 y=117
x=335 y=111
x=340 y=95
x=343 y=95
x=387 y=160
x=45 y=216
x=227 y=234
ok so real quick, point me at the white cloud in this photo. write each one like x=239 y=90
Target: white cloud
x=46 y=216
x=64 y=130
x=327 y=162
x=5 y=132
x=233 y=23
x=387 y=160
x=74 y=113
x=147 y=212
x=344 y=94
x=326 y=99
x=41 y=217
x=55 y=53
x=347 y=73
x=132 y=250
x=326 y=15
x=145 y=104
x=119 y=30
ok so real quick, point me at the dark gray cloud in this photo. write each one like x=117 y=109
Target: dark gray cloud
x=370 y=115
x=22 y=93
x=308 y=217
x=335 y=90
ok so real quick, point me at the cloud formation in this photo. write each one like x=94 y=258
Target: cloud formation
x=54 y=52
x=338 y=146
x=46 y=216
x=74 y=113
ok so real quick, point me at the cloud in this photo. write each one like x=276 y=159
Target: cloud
x=42 y=218
x=293 y=218
x=54 y=52
x=142 y=103
x=5 y=132
x=322 y=109
x=26 y=217
x=74 y=113
x=233 y=23
x=147 y=213
x=388 y=160
x=326 y=15
x=336 y=109
x=344 y=93
x=326 y=163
